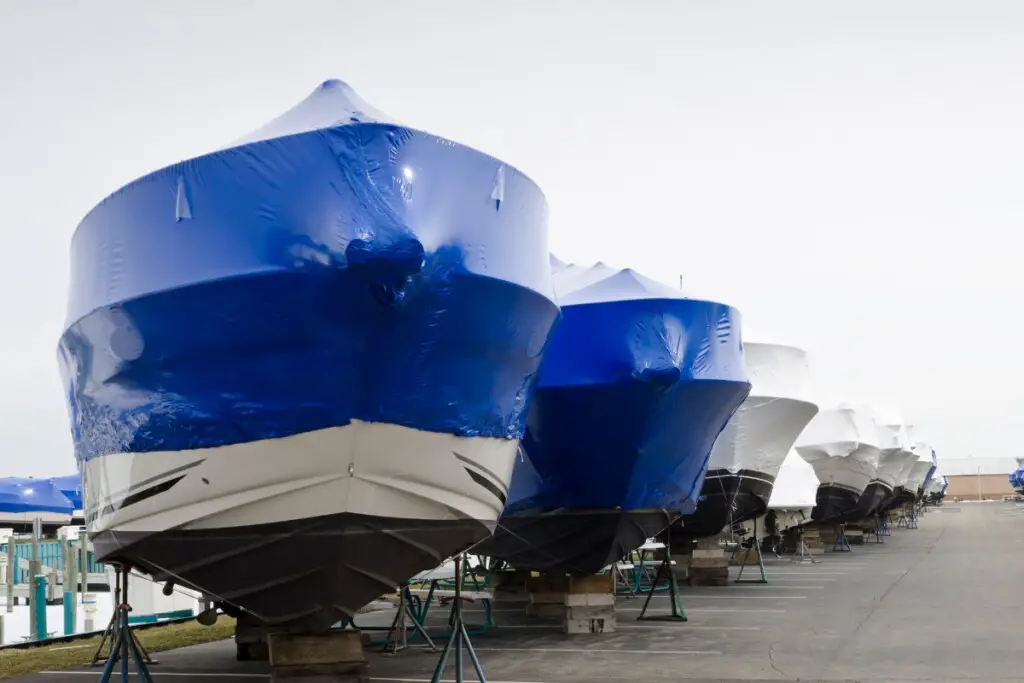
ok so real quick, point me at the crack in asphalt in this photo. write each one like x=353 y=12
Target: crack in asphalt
x=904 y=575
x=771 y=660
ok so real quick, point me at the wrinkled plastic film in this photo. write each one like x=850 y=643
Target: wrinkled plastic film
x=636 y=385
x=331 y=260
x=761 y=433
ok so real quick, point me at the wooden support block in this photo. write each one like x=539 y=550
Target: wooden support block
x=709 y=543
x=589 y=600
x=704 y=563
x=547 y=598
x=596 y=583
x=584 y=626
x=709 y=576
x=548 y=583
x=335 y=656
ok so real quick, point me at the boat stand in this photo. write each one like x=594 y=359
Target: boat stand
x=398 y=635
x=842 y=544
x=665 y=571
x=878 y=528
x=802 y=554
x=756 y=547
x=459 y=637
x=908 y=520
x=885 y=530
x=124 y=645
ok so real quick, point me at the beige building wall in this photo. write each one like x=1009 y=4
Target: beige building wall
x=966 y=486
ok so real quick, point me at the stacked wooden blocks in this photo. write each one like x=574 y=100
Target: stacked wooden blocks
x=334 y=656
x=586 y=604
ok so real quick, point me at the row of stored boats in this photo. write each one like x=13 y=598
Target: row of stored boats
x=312 y=364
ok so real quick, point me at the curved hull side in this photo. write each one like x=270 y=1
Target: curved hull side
x=834 y=503
x=303 y=529
x=310 y=571
x=579 y=542
x=726 y=498
x=870 y=501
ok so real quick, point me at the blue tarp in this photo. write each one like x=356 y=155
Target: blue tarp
x=20 y=495
x=333 y=265
x=636 y=384
x=71 y=487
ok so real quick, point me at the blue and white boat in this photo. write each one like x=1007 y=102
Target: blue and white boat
x=636 y=385
x=1017 y=477
x=935 y=489
x=23 y=500
x=298 y=367
x=71 y=487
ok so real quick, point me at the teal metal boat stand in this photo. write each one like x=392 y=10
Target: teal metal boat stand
x=665 y=572
x=842 y=544
x=756 y=547
x=879 y=537
x=459 y=637
x=124 y=645
x=886 y=530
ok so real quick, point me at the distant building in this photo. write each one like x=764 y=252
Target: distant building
x=978 y=478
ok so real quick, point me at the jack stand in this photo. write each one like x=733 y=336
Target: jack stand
x=756 y=547
x=398 y=637
x=878 y=528
x=123 y=642
x=664 y=569
x=842 y=544
x=803 y=555
x=459 y=637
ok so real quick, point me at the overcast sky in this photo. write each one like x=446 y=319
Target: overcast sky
x=848 y=174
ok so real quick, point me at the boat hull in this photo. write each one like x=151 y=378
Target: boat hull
x=835 y=503
x=348 y=518
x=298 y=368
x=579 y=542
x=870 y=501
x=307 y=572
x=727 y=498
x=900 y=496
x=631 y=398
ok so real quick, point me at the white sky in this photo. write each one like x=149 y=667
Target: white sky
x=846 y=173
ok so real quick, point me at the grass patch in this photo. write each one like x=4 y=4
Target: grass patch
x=79 y=652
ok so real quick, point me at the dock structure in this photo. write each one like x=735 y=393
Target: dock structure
x=61 y=561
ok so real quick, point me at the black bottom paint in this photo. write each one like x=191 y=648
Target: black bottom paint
x=870 y=501
x=306 y=573
x=900 y=496
x=834 y=503
x=726 y=498
x=579 y=542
